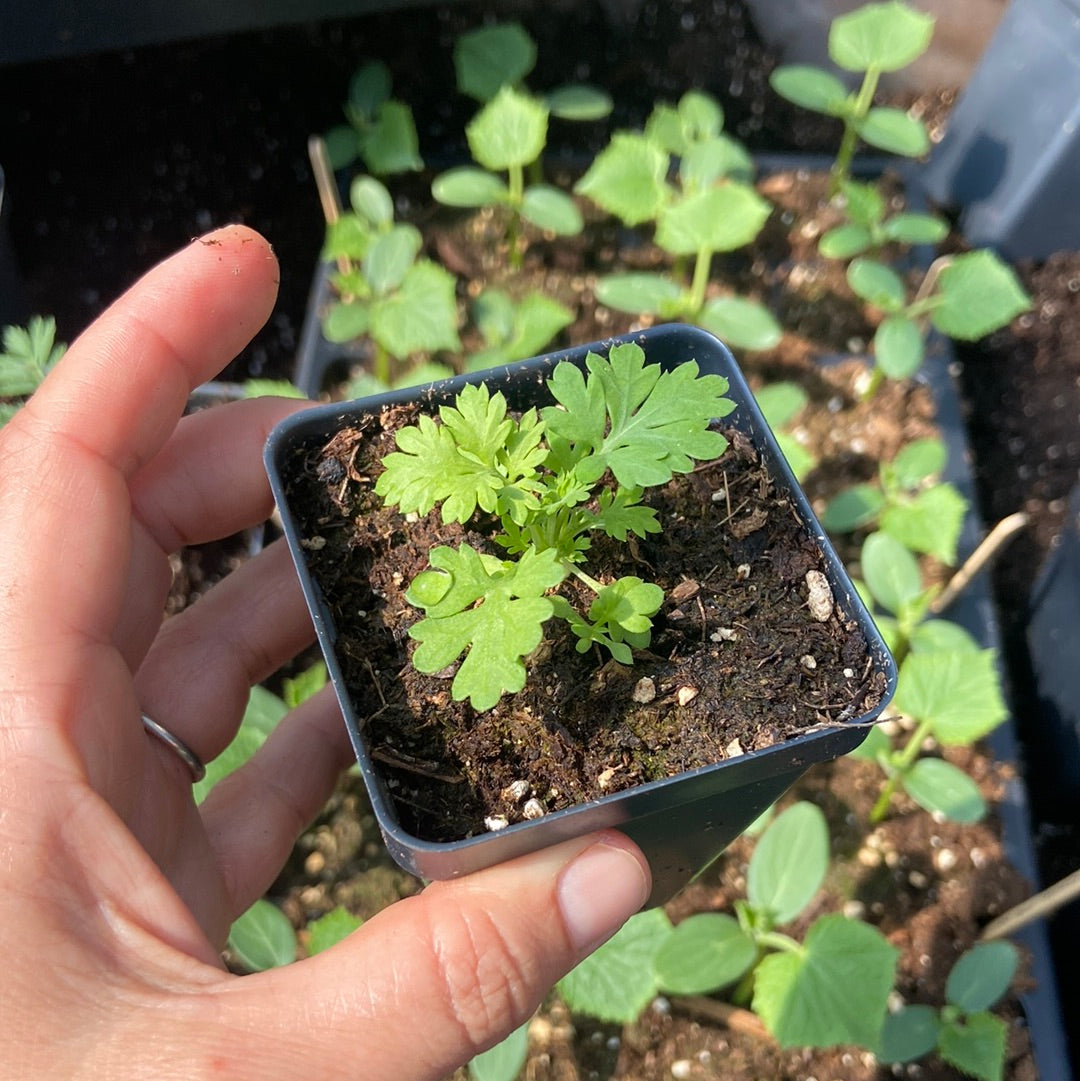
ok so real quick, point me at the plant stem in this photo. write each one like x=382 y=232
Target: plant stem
x=702 y=265
x=380 y=364
x=516 y=184
x=841 y=169
x=777 y=941
x=582 y=576
x=901 y=763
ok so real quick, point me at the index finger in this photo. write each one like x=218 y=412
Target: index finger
x=123 y=384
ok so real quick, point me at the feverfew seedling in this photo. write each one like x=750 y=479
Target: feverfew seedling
x=870 y=41
x=550 y=478
x=28 y=354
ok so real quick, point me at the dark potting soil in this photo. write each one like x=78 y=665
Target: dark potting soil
x=737 y=660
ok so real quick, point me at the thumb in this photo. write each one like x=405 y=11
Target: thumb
x=433 y=980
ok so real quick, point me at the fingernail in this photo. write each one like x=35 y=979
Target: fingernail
x=599 y=891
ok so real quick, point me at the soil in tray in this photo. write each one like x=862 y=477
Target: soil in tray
x=738 y=660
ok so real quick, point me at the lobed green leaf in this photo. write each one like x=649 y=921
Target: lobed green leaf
x=929 y=522
x=263 y=938
x=627 y=178
x=977 y=293
x=882 y=37
x=975 y=1046
x=391 y=145
x=421 y=315
x=720 y=218
x=491 y=57
x=509 y=132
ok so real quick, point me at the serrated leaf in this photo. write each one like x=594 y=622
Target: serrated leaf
x=929 y=522
x=638 y=293
x=624 y=607
x=618 y=981
x=978 y=294
x=810 y=88
x=894 y=131
x=619 y=513
x=549 y=208
x=421 y=315
x=742 y=323
x=491 y=57
x=467 y=186
x=330 y=929
x=834 y=991
x=345 y=322
x=627 y=178
x=706 y=163
x=704 y=953
x=890 y=571
x=982 y=976
x=504 y=1061
x=941 y=788
x=28 y=355
x=909 y=1033
x=389 y=258
x=885 y=37
x=941 y=635
x=509 y=131
x=657 y=423
x=579 y=101
x=958 y=693
x=854 y=507
x=789 y=862
x=719 y=219
x=536 y=320
x=975 y=1046
x=391 y=145
x=898 y=347
x=877 y=284
x=263 y=938
x=498 y=632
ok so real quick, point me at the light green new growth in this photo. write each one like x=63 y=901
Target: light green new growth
x=869 y=227
x=547 y=477
x=870 y=41
x=28 y=354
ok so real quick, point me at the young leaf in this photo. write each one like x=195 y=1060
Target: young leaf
x=909 y=1033
x=618 y=981
x=894 y=131
x=958 y=693
x=833 y=991
x=742 y=323
x=504 y=1061
x=548 y=208
x=898 y=347
x=722 y=218
x=657 y=422
x=789 y=863
x=469 y=187
x=891 y=572
x=781 y=402
x=577 y=101
x=28 y=354
x=638 y=293
x=330 y=929
x=506 y=626
x=975 y=1045
x=702 y=954
x=627 y=178
x=941 y=788
x=845 y=241
x=929 y=522
x=885 y=37
x=877 y=284
x=263 y=938
x=810 y=87
x=908 y=228
x=421 y=315
x=982 y=976
x=918 y=461
x=509 y=131
x=942 y=635
x=345 y=322
x=854 y=507
x=391 y=144
x=977 y=293
x=863 y=203
x=491 y=57
x=388 y=260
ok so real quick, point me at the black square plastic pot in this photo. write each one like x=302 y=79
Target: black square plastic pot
x=683 y=822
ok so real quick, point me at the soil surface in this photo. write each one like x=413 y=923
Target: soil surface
x=114 y=160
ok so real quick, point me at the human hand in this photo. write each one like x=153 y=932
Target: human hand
x=116 y=891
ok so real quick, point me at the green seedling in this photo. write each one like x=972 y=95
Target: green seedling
x=963 y=296
x=28 y=355
x=505 y=138
x=831 y=988
x=708 y=209
x=781 y=403
x=272 y=388
x=513 y=330
x=380 y=132
x=963 y=1032
x=870 y=41
x=403 y=303
x=491 y=57
x=869 y=227
x=504 y=1061
x=908 y=503
x=948 y=687
x=550 y=478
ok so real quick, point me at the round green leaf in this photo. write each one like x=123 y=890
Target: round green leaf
x=504 y=1061
x=701 y=114
x=877 y=284
x=781 y=402
x=487 y=59
x=342 y=146
x=978 y=294
x=578 y=101
x=890 y=571
x=421 y=315
x=917 y=462
x=263 y=938
x=909 y=1033
x=852 y=508
x=845 y=241
x=549 y=208
x=509 y=131
x=370 y=199
x=789 y=862
x=704 y=953
x=885 y=37
x=369 y=87
x=722 y=218
x=330 y=929
x=898 y=347
x=706 y=162
x=742 y=323
x=916 y=229
x=941 y=788
x=810 y=88
x=466 y=186
x=637 y=293
x=390 y=257
x=345 y=322
x=896 y=132
x=982 y=976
